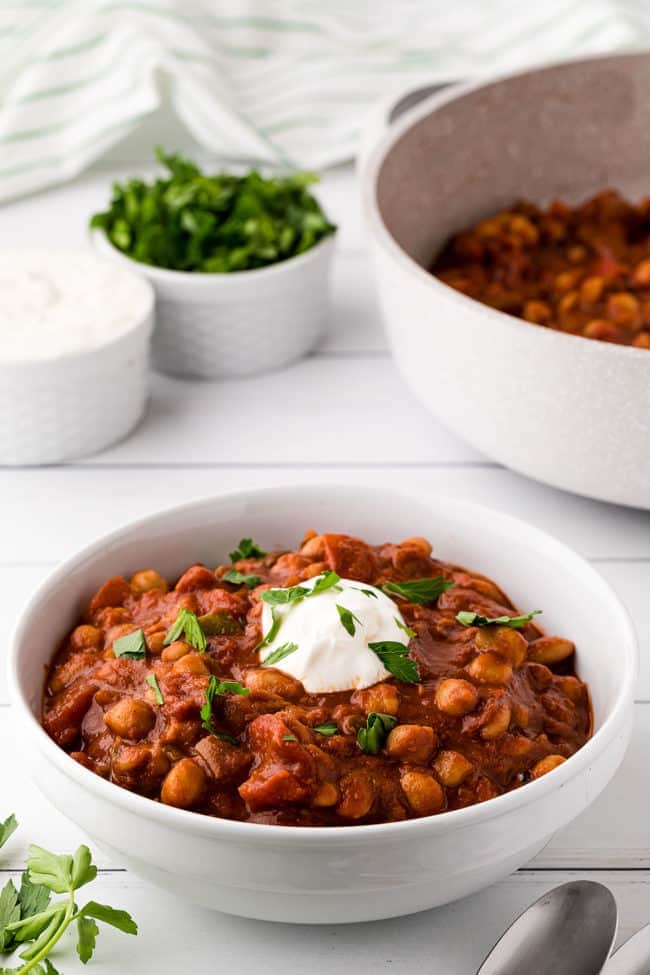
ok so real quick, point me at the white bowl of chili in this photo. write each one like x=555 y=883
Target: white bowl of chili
x=569 y=411
x=344 y=873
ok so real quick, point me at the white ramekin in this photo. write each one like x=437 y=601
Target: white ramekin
x=349 y=873
x=56 y=409
x=568 y=411
x=213 y=326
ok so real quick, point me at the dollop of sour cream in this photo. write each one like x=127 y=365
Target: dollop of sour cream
x=329 y=658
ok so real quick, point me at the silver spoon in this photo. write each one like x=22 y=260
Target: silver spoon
x=632 y=958
x=568 y=931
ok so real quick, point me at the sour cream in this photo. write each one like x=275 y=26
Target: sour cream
x=329 y=658
x=55 y=303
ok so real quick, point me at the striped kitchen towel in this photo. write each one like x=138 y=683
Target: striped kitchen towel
x=275 y=81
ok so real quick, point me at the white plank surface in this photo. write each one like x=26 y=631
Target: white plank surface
x=341 y=415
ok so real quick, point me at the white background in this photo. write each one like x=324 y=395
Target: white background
x=341 y=415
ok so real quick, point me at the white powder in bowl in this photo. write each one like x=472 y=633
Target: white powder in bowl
x=55 y=303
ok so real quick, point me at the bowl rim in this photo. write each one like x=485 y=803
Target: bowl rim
x=143 y=322
x=200 y=279
x=203 y=825
x=384 y=238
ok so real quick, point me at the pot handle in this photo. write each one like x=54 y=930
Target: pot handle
x=388 y=111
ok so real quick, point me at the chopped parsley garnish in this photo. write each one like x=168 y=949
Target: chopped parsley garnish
x=276 y=622
x=247 y=549
x=289 y=738
x=378 y=726
x=239 y=579
x=405 y=629
x=294 y=594
x=513 y=622
x=218 y=688
x=394 y=656
x=279 y=654
x=132 y=646
x=280 y=597
x=152 y=681
x=420 y=591
x=29 y=918
x=348 y=619
x=190 y=220
x=367 y=592
x=327 y=730
x=187 y=625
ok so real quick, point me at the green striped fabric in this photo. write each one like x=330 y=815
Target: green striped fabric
x=275 y=81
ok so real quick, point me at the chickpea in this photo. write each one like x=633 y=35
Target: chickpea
x=456 y=697
x=114 y=592
x=623 y=309
x=175 y=651
x=599 y=328
x=520 y=715
x=550 y=650
x=504 y=641
x=86 y=638
x=315 y=569
x=271 y=681
x=383 y=698
x=191 y=663
x=576 y=253
x=489 y=668
x=358 y=795
x=184 y=785
x=145 y=580
x=591 y=289
x=314 y=548
x=546 y=765
x=572 y=687
x=421 y=544
x=565 y=281
x=452 y=768
x=537 y=312
x=130 y=718
x=498 y=723
x=567 y=302
x=327 y=795
x=411 y=743
x=425 y=795
x=155 y=642
x=642 y=341
x=524 y=228
x=641 y=274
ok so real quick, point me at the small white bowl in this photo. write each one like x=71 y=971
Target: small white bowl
x=350 y=873
x=62 y=407
x=214 y=326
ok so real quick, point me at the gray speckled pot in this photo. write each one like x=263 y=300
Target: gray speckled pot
x=569 y=411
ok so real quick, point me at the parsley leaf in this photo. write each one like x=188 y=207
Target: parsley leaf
x=289 y=738
x=348 y=619
x=152 y=681
x=378 y=726
x=188 y=625
x=34 y=898
x=239 y=579
x=87 y=932
x=121 y=920
x=189 y=220
x=420 y=591
x=131 y=647
x=327 y=730
x=330 y=580
x=405 y=629
x=9 y=912
x=367 y=592
x=513 y=622
x=276 y=622
x=394 y=657
x=220 y=623
x=280 y=597
x=9 y=826
x=279 y=654
x=218 y=688
x=247 y=549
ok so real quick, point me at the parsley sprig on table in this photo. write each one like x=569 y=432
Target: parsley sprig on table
x=31 y=920
x=190 y=221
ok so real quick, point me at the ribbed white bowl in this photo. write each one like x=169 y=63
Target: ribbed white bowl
x=223 y=325
x=56 y=409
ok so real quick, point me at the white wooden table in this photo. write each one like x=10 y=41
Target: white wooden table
x=185 y=449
